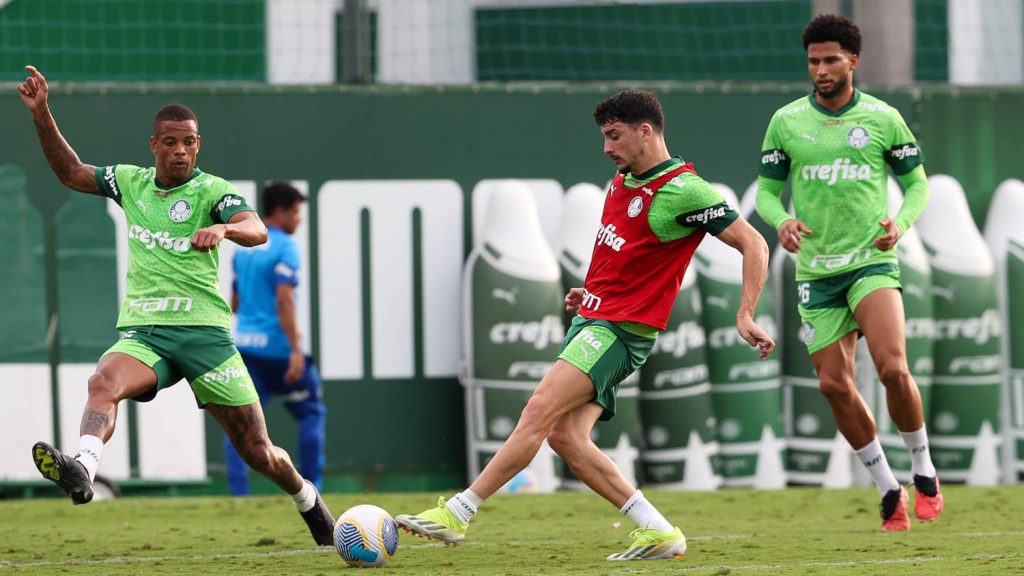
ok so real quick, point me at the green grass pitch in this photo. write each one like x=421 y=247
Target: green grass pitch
x=797 y=531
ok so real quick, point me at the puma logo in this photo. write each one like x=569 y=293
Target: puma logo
x=943 y=292
x=718 y=301
x=506 y=295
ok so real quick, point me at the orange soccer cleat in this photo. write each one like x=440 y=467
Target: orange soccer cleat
x=928 y=501
x=894 y=511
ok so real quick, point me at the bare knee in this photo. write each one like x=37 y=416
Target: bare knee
x=259 y=455
x=836 y=387
x=537 y=417
x=894 y=372
x=563 y=442
x=103 y=388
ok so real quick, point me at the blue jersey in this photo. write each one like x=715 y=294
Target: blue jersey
x=258 y=273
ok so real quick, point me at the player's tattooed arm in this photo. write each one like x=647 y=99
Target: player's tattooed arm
x=65 y=163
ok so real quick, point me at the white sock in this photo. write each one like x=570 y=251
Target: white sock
x=875 y=461
x=920 y=456
x=464 y=505
x=644 y=514
x=305 y=499
x=90 y=449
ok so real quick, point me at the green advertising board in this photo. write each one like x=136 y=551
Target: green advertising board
x=678 y=448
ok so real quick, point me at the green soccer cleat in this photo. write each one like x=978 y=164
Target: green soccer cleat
x=651 y=544
x=437 y=523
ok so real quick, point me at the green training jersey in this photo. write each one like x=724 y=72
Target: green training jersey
x=169 y=282
x=837 y=164
x=684 y=204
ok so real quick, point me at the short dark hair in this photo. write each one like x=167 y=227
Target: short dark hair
x=833 y=28
x=279 y=195
x=174 y=113
x=631 y=107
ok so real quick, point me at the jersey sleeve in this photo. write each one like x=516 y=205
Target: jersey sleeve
x=699 y=205
x=902 y=153
x=107 y=177
x=774 y=160
x=229 y=203
x=768 y=201
x=915 y=197
x=286 y=269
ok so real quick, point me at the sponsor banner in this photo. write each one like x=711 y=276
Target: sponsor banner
x=918 y=307
x=512 y=320
x=807 y=415
x=1015 y=327
x=675 y=398
x=516 y=333
x=967 y=380
x=1015 y=312
x=739 y=414
x=515 y=321
x=1005 y=239
x=746 y=392
x=807 y=465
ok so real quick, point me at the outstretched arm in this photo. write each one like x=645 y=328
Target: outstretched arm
x=744 y=238
x=71 y=171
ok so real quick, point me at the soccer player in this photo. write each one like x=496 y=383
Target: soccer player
x=174 y=321
x=657 y=210
x=836 y=144
x=268 y=336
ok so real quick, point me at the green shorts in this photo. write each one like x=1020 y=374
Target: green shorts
x=827 y=304
x=606 y=353
x=204 y=355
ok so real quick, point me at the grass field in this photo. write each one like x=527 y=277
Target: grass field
x=798 y=531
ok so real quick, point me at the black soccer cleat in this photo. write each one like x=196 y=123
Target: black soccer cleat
x=320 y=522
x=64 y=471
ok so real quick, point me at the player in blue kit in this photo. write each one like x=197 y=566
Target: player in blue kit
x=268 y=335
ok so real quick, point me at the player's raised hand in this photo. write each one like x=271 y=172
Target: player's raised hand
x=33 y=90
x=573 y=299
x=791 y=234
x=206 y=238
x=755 y=336
x=892 y=235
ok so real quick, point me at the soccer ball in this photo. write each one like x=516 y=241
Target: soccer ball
x=366 y=536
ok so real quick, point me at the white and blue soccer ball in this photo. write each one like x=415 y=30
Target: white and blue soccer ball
x=366 y=536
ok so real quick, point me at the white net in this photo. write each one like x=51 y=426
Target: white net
x=467 y=41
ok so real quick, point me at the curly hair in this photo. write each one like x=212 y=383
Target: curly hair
x=833 y=28
x=174 y=113
x=631 y=107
